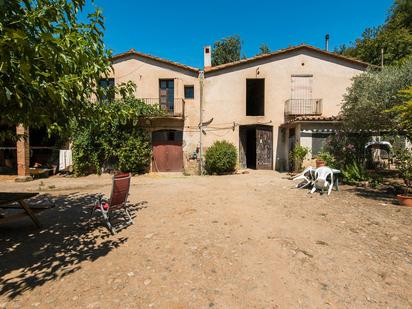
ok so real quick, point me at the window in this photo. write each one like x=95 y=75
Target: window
x=167 y=135
x=107 y=85
x=167 y=94
x=255 y=97
x=189 y=92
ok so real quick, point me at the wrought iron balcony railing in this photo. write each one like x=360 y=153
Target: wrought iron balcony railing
x=297 y=107
x=175 y=108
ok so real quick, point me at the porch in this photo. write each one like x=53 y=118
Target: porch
x=307 y=131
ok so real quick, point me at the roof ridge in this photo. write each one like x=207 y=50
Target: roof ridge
x=285 y=50
x=132 y=51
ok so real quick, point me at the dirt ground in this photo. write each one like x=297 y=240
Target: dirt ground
x=240 y=241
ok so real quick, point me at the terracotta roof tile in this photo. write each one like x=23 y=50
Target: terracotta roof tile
x=132 y=52
x=315 y=118
x=284 y=51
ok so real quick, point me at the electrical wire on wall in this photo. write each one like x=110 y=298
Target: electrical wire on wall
x=215 y=128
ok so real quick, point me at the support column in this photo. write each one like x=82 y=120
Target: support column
x=23 y=154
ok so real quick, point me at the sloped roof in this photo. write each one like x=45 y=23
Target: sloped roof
x=285 y=51
x=133 y=52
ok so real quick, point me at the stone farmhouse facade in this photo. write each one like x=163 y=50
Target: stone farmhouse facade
x=265 y=105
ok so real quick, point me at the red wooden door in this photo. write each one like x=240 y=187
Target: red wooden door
x=167 y=151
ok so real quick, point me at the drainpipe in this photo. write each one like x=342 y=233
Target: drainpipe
x=201 y=79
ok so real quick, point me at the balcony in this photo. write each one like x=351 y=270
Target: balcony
x=300 y=107
x=175 y=109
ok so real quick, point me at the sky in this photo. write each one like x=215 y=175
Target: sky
x=178 y=30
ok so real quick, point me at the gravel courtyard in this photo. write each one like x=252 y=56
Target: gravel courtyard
x=240 y=241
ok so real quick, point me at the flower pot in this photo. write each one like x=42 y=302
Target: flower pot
x=404 y=200
x=320 y=163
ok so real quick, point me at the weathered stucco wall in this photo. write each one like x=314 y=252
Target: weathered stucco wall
x=145 y=73
x=225 y=94
x=225 y=91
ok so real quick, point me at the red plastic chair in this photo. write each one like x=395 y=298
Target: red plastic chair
x=117 y=200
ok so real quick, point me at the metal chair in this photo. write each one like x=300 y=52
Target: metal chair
x=117 y=200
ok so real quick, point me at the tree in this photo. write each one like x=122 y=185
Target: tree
x=403 y=112
x=116 y=137
x=394 y=37
x=226 y=50
x=369 y=101
x=49 y=62
x=263 y=49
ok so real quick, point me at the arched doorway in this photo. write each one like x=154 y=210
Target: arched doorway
x=167 y=151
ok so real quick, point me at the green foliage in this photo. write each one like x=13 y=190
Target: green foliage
x=221 y=158
x=49 y=62
x=263 y=49
x=372 y=94
x=297 y=155
x=327 y=157
x=404 y=164
x=226 y=50
x=115 y=137
x=346 y=148
x=354 y=172
x=403 y=112
x=395 y=37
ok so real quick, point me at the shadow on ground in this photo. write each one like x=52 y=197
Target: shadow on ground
x=30 y=257
x=386 y=195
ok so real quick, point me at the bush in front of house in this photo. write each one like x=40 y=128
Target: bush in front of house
x=297 y=155
x=115 y=138
x=221 y=158
x=111 y=147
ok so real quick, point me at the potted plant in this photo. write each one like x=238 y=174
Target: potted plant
x=324 y=158
x=404 y=165
x=297 y=155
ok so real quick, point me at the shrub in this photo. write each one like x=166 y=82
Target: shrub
x=404 y=165
x=346 y=148
x=115 y=138
x=327 y=157
x=354 y=172
x=221 y=158
x=297 y=155
x=134 y=155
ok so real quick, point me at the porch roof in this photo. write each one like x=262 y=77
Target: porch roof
x=312 y=119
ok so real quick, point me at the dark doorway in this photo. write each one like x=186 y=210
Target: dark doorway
x=255 y=97
x=251 y=147
x=167 y=151
x=291 y=145
x=256 y=146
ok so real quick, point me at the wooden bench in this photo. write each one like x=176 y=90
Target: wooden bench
x=8 y=198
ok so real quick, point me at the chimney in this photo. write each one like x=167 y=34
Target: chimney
x=207 y=56
x=327 y=42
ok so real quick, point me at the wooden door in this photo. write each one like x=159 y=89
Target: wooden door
x=167 y=151
x=167 y=94
x=301 y=94
x=264 y=147
x=167 y=156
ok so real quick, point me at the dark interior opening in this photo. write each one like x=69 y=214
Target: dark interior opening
x=251 y=147
x=255 y=97
x=44 y=148
x=167 y=136
x=247 y=138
